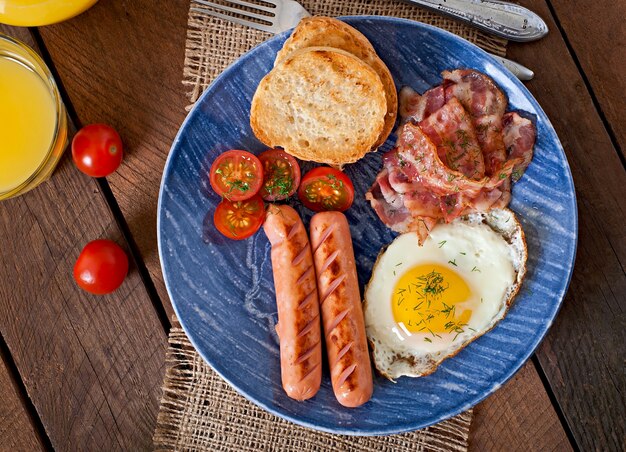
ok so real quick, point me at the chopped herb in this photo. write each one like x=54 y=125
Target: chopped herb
x=461 y=252
x=398 y=264
x=442 y=243
x=427 y=339
x=502 y=176
x=453 y=262
x=476 y=269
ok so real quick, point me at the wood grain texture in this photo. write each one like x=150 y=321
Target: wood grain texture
x=518 y=417
x=139 y=92
x=157 y=103
x=122 y=64
x=597 y=34
x=92 y=365
x=17 y=432
x=583 y=354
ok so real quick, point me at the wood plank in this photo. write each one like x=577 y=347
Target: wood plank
x=597 y=34
x=92 y=366
x=582 y=355
x=148 y=136
x=134 y=57
x=17 y=431
x=122 y=87
x=518 y=417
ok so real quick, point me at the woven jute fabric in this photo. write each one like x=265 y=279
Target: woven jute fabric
x=213 y=44
x=201 y=412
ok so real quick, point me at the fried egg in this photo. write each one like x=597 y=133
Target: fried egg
x=425 y=303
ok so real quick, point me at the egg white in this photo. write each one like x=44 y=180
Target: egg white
x=487 y=250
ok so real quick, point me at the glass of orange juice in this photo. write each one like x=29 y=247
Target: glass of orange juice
x=33 y=120
x=33 y=13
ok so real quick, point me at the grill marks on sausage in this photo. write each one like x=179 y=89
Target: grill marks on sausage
x=309 y=326
x=297 y=302
x=310 y=297
x=343 y=378
x=307 y=354
x=300 y=256
x=329 y=260
x=325 y=235
x=310 y=371
x=306 y=274
x=332 y=287
x=332 y=270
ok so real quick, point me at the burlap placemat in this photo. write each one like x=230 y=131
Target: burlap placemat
x=199 y=411
x=212 y=44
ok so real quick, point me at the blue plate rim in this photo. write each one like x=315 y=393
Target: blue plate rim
x=453 y=412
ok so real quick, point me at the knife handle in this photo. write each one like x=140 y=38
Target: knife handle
x=500 y=18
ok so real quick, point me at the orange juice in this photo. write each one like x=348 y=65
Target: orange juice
x=27 y=123
x=33 y=13
x=33 y=121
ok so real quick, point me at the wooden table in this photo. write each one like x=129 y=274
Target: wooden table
x=79 y=372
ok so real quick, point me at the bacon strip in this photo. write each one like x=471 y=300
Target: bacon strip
x=486 y=104
x=415 y=107
x=519 y=139
x=456 y=152
x=451 y=129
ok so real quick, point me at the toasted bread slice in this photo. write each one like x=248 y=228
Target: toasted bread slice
x=320 y=104
x=328 y=32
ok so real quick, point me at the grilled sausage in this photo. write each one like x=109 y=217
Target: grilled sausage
x=342 y=314
x=298 y=305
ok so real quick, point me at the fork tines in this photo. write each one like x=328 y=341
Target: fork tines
x=241 y=15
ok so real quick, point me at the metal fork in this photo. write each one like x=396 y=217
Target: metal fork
x=286 y=14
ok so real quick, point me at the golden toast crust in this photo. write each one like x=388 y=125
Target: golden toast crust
x=321 y=104
x=329 y=32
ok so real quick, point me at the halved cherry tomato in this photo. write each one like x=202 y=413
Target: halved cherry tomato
x=101 y=267
x=238 y=220
x=281 y=175
x=97 y=150
x=325 y=188
x=236 y=175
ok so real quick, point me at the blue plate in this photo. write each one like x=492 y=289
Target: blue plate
x=223 y=292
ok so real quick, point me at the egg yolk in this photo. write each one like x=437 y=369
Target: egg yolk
x=427 y=299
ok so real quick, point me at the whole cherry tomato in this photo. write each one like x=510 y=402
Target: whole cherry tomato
x=325 y=188
x=101 y=267
x=236 y=175
x=97 y=150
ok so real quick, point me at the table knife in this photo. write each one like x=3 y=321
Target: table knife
x=500 y=18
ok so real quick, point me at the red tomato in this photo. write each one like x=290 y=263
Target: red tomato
x=238 y=220
x=281 y=175
x=97 y=150
x=236 y=175
x=325 y=188
x=101 y=267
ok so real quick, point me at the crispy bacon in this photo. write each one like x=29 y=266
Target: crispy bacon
x=415 y=107
x=451 y=129
x=455 y=154
x=486 y=104
x=519 y=138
